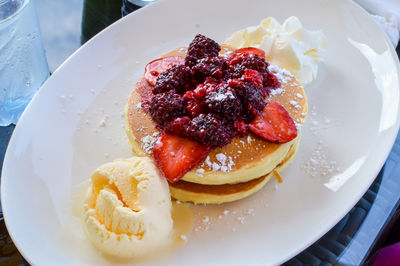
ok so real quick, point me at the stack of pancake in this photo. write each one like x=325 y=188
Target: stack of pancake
x=232 y=172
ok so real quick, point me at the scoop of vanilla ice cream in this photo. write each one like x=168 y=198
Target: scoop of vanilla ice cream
x=127 y=212
x=290 y=45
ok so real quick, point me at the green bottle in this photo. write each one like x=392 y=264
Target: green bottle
x=132 y=5
x=97 y=15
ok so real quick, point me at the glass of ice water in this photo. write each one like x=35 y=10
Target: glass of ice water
x=23 y=65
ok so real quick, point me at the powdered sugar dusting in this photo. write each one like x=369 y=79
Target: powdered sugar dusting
x=148 y=142
x=224 y=163
x=319 y=164
x=227 y=53
x=283 y=75
x=232 y=219
x=215 y=166
x=183 y=50
x=295 y=104
x=221 y=158
x=299 y=122
x=318 y=122
x=200 y=172
x=278 y=91
x=223 y=96
x=208 y=162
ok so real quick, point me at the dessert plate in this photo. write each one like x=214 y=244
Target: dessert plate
x=75 y=123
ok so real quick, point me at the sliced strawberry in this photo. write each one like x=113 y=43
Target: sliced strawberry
x=156 y=67
x=274 y=124
x=175 y=156
x=251 y=50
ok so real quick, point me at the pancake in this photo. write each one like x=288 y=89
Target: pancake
x=247 y=158
x=234 y=171
x=217 y=194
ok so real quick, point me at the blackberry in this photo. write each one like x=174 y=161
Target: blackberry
x=251 y=96
x=239 y=63
x=166 y=106
x=177 y=78
x=201 y=47
x=215 y=67
x=224 y=103
x=208 y=129
x=255 y=103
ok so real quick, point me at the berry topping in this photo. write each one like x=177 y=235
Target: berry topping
x=194 y=104
x=242 y=61
x=177 y=78
x=254 y=77
x=156 y=67
x=166 y=106
x=201 y=47
x=215 y=67
x=207 y=129
x=175 y=156
x=210 y=130
x=249 y=90
x=194 y=100
x=205 y=88
x=272 y=82
x=241 y=127
x=208 y=100
x=275 y=124
x=224 y=103
x=251 y=50
x=179 y=126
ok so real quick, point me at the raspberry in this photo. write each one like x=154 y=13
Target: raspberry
x=272 y=82
x=215 y=67
x=194 y=99
x=205 y=88
x=193 y=104
x=178 y=126
x=177 y=78
x=224 y=103
x=253 y=76
x=241 y=127
x=208 y=129
x=240 y=62
x=166 y=106
x=201 y=47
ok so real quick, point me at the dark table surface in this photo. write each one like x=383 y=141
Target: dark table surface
x=353 y=241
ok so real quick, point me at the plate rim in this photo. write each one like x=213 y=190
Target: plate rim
x=395 y=132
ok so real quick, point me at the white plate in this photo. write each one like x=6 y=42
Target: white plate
x=62 y=138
